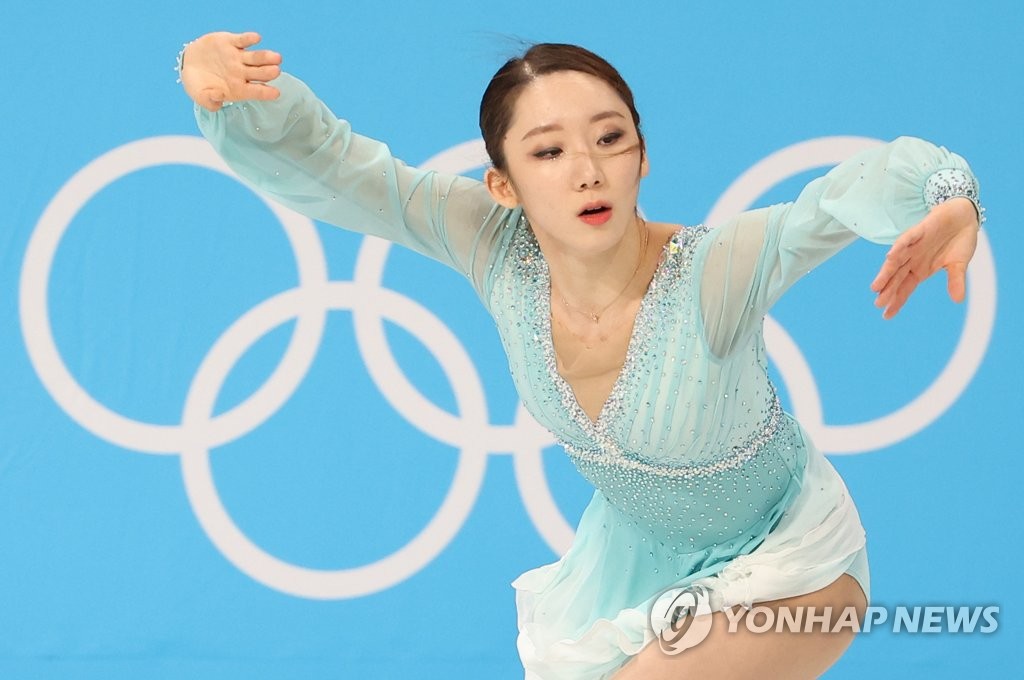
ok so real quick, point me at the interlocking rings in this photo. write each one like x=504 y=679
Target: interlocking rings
x=467 y=430
x=308 y=303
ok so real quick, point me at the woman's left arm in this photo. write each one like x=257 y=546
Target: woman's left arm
x=918 y=197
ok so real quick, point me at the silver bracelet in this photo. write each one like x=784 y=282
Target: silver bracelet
x=948 y=183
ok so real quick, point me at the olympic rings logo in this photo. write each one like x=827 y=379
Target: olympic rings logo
x=370 y=303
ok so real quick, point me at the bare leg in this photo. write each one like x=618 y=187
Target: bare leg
x=744 y=654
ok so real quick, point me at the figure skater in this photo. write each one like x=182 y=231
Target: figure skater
x=637 y=343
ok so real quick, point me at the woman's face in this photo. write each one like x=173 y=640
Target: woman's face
x=574 y=163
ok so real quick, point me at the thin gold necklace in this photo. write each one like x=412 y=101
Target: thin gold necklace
x=596 y=316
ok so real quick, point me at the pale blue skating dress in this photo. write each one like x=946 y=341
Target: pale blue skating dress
x=699 y=476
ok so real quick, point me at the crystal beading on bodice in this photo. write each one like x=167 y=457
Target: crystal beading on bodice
x=659 y=450
x=692 y=507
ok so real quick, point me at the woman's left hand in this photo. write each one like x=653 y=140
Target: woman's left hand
x=944 y=239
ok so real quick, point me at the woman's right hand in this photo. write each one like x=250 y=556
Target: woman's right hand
x=218 y=68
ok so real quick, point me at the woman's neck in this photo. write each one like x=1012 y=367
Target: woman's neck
x=589 y=283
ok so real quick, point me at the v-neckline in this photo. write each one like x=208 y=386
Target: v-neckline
x=596 y=427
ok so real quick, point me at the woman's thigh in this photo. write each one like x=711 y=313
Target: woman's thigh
x=733 y=651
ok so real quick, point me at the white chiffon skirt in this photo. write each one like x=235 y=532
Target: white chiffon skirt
x=818 y=538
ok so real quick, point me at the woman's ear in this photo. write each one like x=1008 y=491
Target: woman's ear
x=645 y=166
x=500 y=187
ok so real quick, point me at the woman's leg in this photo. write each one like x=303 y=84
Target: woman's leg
x=744 y=654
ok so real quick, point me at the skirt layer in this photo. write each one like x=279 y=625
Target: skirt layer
x=584 y=616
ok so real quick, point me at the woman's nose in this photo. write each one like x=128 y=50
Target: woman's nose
x=588 y=173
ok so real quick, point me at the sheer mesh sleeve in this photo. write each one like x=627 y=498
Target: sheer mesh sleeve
x=296 y=151
x=747 y=264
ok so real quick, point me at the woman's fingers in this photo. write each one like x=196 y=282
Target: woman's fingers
x=901 y=284
x=901 y=295
x=244 y=40
x=218 y=68
x=898 y=256
x=956 y=281
x=261 y=92
x=895 y=260
x=945 y=239
x=885 y=274
x=260 y=57
x=262 y=73
x=211 y=99
x=892 y=286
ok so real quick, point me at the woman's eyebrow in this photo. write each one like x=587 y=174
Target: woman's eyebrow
x=555 y=126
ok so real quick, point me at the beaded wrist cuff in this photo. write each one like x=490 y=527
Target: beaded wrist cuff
x=179 y=61
x=943 y=185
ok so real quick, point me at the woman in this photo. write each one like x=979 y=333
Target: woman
x=637 y=343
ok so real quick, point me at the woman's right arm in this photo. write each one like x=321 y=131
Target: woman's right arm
x=288 y=145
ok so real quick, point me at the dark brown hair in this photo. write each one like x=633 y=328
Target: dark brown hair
x=499 y=98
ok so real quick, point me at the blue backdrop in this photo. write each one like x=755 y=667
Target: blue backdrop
x=201 y=477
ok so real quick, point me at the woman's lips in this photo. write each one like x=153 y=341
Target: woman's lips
x=596 y=215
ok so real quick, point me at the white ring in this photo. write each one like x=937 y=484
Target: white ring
x=534 y=489
x=34 y=306
x=525 y=438
x=214 y=518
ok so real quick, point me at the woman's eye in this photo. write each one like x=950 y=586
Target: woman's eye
x=548 y=153
x=610 y=138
